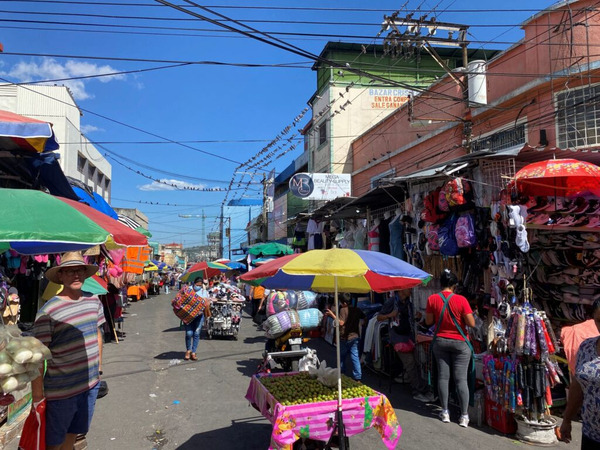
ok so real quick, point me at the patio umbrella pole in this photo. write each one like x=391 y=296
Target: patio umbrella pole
x=340 y=420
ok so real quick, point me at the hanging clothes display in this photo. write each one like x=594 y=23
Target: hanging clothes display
x=360 y=236
x=373 y=235
x=396 y=228
x=384 y=234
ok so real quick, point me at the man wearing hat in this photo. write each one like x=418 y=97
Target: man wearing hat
x=69 y=325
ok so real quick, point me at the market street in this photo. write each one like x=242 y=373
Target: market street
x=155 y=404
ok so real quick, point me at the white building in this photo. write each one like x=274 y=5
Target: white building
x=79 y=159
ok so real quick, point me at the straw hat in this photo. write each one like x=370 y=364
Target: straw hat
x=70 y=259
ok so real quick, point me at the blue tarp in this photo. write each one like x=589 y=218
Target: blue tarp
x=95 y=201
x=46 y=170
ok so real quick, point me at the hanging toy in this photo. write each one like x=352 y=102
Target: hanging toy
x=520 y=335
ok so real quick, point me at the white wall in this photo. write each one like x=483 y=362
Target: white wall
x=56 y=105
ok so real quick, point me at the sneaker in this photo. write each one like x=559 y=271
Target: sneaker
x=426 y=398
x=463 y=421
x=445 y=416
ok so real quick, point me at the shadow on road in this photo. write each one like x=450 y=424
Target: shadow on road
x=252 y=434
x=170 y=355
x=168 y=330
x=248 y=367
x=254 y=339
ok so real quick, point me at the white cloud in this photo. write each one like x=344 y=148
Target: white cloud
x=50 y=69
x=85 y=129
x=169 y=185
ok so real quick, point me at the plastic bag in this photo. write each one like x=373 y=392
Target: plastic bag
x=325 y=375
x=308 y=361
x=33 y=436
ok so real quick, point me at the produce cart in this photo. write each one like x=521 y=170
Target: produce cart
x=303 y=409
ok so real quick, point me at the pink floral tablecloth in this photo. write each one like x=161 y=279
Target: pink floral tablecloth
x=316 y=420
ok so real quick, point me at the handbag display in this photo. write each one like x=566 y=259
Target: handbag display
x=187 y=305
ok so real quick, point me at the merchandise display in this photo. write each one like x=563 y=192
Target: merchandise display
x=313 y=420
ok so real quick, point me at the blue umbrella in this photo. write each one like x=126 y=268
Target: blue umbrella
x=234 y=265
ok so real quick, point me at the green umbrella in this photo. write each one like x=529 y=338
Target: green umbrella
x=143 y=231
x=270 y=249
x=37 y=223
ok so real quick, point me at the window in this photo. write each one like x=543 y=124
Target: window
x=501 y=139
x=100 y=179
x=578 y=117
x=323 y=133
x=91 y=171
x=80 y=163
x=106 y=184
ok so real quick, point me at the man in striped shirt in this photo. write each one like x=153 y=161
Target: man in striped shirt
x=69 y=325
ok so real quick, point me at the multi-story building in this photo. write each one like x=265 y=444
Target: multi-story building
x=79 y=159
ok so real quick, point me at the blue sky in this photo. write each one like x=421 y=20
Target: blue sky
x=229 y=112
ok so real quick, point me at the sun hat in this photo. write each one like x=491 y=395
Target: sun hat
x=70 y=259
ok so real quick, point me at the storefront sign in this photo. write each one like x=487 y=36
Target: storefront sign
x=388 y=98
x=320 y=186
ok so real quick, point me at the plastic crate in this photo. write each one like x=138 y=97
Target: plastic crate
x=498 y=418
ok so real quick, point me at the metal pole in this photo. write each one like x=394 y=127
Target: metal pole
x=265 y=230
x=229 y=240
x=221 y=233
x=340 y=418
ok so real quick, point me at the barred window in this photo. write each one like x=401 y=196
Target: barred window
x=323 y=133
x=578 y=117
x=515 y=135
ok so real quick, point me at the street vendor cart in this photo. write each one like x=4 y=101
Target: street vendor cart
x=296 y=421
x=225 y=318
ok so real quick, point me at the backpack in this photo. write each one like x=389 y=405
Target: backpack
x=431 y=232
x=187 y=305
x=465 y=231
x=443 y=201
x=447 y=237
x=431 y=211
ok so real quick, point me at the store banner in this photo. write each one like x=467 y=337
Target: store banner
x=320 y=186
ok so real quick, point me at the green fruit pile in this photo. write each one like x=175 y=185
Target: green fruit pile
x=299 y=388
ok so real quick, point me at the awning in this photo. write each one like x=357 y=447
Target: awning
x=447 y=168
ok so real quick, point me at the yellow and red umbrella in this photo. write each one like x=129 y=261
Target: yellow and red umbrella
x=203 y=269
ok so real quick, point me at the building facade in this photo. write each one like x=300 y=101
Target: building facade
x=541 y=92
x=79 y=159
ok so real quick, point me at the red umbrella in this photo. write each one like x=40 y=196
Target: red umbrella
x=558 y=177
x=121 y=234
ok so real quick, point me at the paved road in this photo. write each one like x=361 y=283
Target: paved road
x=156 y=404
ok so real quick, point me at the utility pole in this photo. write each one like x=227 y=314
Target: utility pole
x=221 y=235
x=265 y=229
x=420 y=34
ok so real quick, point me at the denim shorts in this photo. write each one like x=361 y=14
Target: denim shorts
x=70 y=415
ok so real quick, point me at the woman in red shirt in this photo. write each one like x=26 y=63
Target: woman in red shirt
x=450 y=350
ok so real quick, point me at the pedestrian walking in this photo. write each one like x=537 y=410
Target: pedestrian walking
x=452 y=314
x=194 y=328
x=69 y=324
x=584 y=391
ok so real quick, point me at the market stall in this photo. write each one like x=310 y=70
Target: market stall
x=362 y=409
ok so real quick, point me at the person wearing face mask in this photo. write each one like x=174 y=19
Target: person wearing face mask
x=194 y=328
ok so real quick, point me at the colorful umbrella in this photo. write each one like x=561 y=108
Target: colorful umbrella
x=151 y=268
x=261 y=261
x=337 y=270
x=270 y=249
x=358 y=271
x=203 y=269
x=558 y=177
x=121 y=234
x=24 y=133
x=234 y=265
x=38 y=223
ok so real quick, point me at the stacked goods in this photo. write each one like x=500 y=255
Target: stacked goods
x=20 y=360
x=299 y=388
x=280 y=323
x=310 y=318
x=279 y=301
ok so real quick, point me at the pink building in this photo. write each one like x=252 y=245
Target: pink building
x=542 y=93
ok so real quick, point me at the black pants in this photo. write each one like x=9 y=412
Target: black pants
x=588 y=443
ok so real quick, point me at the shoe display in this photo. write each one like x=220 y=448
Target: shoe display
x=445 y=416
x=463 y=421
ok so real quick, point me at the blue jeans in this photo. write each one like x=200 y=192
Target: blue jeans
x=192 y=333
x=351 y=347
